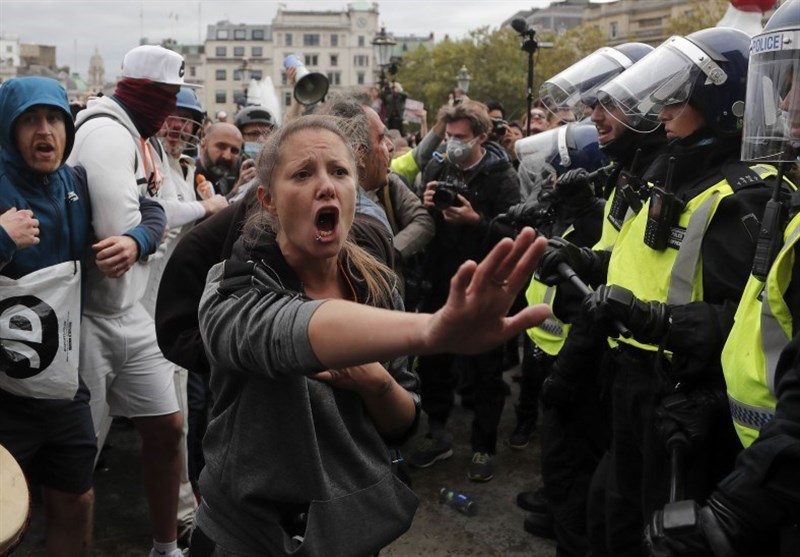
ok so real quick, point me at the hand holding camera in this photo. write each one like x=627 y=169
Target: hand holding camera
x=451 y=198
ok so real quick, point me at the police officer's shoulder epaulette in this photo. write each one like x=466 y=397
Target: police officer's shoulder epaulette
x=740 y=175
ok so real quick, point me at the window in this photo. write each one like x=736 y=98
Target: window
x=312 y=59
x=221 y=75
x=222 y=34
x=220 y=96
x=361 y=60
x=334 y=59
x=221 y=51
x=287 y=39
x=360 y=78
x=257 y=51
x=9 y=48
x=238 y=51
x=257 y=74
x=614 y=29
x=335 y=78
x=258 y=35
x=311 y=39
x=334 y=40
x=192 y=71
x=652 y=22
x=237 y=75
x=284 y=79
x=361 y=41
x=287 y=98
x=240 y=34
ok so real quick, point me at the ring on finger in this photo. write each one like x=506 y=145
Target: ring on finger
x=499 y=282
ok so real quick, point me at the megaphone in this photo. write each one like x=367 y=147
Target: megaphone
x=309 y=88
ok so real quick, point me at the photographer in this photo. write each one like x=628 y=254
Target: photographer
x=479 y=184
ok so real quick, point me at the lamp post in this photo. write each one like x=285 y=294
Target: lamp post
x=245 y=70
x=383 y=44
x=463 y=78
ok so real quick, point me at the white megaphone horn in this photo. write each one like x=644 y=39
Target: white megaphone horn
x=309 y=88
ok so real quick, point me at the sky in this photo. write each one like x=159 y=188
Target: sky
x=78 y=27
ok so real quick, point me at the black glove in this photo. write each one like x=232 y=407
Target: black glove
x=574 y=188
x=533 y=212
x=647 y=321
x=684 y=529
x=559 y=250
x=557 y=389
x=692 y=414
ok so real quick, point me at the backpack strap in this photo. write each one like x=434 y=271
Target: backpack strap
x=112 y=117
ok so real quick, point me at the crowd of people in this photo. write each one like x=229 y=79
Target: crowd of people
x=277 y=306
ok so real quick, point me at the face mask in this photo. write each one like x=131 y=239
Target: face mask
x=459 y=151
x=252 y=149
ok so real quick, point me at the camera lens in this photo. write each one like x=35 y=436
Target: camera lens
x=443 y=199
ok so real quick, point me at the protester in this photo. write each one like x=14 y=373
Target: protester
x=179 y=133
x=310 y=275
x=120 y=359
x=221 y=159
x=45 y=417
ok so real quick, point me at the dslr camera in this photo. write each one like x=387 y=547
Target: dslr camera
x=498 y=127
x=445 y=193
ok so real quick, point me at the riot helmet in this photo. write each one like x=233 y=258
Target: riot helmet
x=706 y=69
x=772 y=117
x=545 y=156
x=576 y=87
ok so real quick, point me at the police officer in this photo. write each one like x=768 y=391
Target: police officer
x=676 y=272
x=755 y=509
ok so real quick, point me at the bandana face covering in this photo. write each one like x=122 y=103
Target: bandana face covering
x=147 y=103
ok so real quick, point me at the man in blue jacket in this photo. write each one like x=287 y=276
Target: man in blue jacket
x=45 y=420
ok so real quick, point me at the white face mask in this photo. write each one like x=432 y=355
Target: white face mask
x=459 y=151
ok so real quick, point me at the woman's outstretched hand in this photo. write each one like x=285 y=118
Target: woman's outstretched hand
x=475 y=317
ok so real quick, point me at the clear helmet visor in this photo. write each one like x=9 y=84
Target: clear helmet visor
x=576 y=86
x=772 y=113
x=535 y=154
x=664 y=77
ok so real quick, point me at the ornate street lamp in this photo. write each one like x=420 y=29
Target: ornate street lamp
x=463 y=78
x=383 y=44
x=245 y=72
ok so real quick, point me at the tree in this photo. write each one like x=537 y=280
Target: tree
x=700 y=15
x=498 y=66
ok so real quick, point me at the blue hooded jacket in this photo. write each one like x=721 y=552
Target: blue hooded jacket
x=55 y=198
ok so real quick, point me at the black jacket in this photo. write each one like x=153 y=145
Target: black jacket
x=493 y=187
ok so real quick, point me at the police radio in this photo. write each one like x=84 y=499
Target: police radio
x=627 y=194
x=770 y=235
x=665 y=210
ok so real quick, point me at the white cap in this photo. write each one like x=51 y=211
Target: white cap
x=156 y=63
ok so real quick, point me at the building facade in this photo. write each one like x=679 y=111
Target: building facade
x=9 y=57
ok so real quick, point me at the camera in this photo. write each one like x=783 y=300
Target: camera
x=445 y=193
x=499 y=127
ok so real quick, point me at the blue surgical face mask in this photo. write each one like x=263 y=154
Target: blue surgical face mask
x=252 y=148
x=459 y=151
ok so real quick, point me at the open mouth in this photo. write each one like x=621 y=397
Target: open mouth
x=44 y=148
x=326 y=221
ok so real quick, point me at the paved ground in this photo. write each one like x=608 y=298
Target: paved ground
x=121 y=528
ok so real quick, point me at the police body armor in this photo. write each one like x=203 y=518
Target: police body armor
x=672 y=275
x=551 y=334
x=762 y=328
